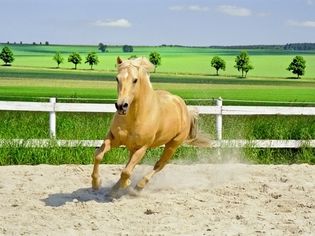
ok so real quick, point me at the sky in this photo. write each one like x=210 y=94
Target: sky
x=156 y=22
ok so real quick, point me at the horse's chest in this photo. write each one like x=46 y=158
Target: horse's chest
x=122 y=135
x=128 y=137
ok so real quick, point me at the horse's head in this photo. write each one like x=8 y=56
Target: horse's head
x=132 y=76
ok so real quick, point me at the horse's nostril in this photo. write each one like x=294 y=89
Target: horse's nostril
x=125 y=105
x=116 y=105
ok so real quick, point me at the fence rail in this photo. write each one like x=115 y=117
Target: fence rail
x=218 y=110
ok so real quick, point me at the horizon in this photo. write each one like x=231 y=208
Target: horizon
x=161 y=45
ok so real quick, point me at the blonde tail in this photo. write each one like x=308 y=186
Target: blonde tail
x=195 y=137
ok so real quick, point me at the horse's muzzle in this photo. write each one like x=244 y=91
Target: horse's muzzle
x=122 y=108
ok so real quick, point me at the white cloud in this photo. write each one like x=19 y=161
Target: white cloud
x=197 y=8
x=307 y=24
x=234 y=10
x=188 y=8
x=176 y=8
x=120 y=23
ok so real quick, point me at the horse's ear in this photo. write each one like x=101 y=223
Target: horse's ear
x=119 y=61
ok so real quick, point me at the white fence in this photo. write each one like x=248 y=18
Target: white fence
x=218 y=110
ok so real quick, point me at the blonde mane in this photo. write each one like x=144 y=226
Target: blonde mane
x=140 y=62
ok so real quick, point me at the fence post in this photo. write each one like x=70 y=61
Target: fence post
x=52 y=119
x=219 y=102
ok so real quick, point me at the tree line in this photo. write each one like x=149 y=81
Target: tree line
x=288 y=46
x=92 y=59
x=242 y=64
x=242 y=61
x=299 y=46
x=75 y=58
x=126 y=48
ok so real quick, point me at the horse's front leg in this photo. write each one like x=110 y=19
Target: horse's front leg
x=135 y=158
x=98 y=157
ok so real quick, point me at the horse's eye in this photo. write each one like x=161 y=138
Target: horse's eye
x=117 y=80
x=135 y=81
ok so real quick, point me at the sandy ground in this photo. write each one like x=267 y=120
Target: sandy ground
x=199 y=199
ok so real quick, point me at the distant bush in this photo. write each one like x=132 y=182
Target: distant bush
x=58 y=58
x=297 y=66
x=7 y=55
x=218 y=63
x=92 y=59
x=127 y=48
x=75 y=58
x=155 y=59
x=102 y=47
x=242 y=63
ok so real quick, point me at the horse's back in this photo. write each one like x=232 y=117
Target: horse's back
x=167 y=97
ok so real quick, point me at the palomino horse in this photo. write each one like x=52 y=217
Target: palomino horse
x=145 y=118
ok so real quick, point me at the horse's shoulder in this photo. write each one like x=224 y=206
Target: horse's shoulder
x=165 y=95
x=162 y=93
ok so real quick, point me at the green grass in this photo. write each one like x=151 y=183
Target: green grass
x=25 y=84
x=81 y=126
x=267 y=63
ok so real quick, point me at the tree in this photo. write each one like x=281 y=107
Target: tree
x=127 y=48
x=155 y=59
x=248 y=68
x=218 y=63
x=75 y=58
x=102 y=47
x=7 y=56
x=297 y=66
x=242 y=63
x=92 y=59
x=58 y=58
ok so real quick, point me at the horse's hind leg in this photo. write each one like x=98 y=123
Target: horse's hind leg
x=168 y=152
x=98 y=156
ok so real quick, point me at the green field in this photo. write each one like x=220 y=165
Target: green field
x=267 y=63
x=30 y=84
x=84 y=126
x=184 y=71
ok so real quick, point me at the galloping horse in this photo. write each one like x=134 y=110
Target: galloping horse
x=145 y=118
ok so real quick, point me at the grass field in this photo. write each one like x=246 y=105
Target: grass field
x=29 y=84
x=79 y=126
x=267 y=63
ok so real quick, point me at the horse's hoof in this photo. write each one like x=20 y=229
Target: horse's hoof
x=121 y=185
x=141 y=184
x=96 y=183
x=125 y=184
x=139 y=188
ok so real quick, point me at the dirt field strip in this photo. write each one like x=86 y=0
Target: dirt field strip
x=198 y=199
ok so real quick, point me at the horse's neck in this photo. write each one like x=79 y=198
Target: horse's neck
x=144 y=102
